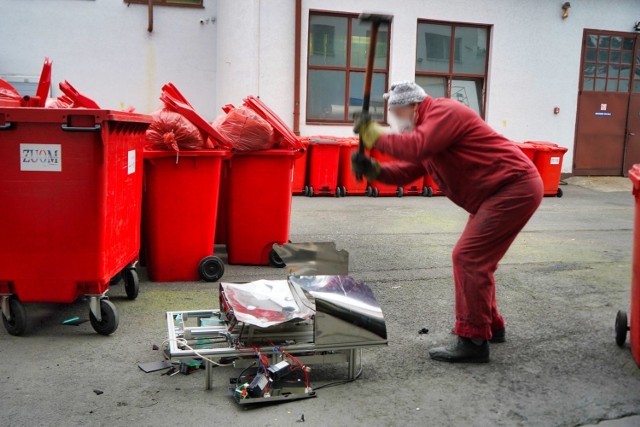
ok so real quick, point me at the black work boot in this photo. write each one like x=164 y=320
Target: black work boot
x=462 y=351
x=499 y=336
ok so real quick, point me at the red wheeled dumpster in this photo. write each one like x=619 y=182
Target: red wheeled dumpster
x=622 y=323
x=430 y=188
x=347 y=182
x=300 y=171
x=379 y=188
x=413 y=188
x=548 y=161
x=324 y=161
x=259 y=205
x=180 y=210
x=70 y=185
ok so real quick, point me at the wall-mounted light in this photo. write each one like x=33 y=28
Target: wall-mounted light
x=565 y=10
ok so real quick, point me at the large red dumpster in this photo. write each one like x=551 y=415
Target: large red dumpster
x=622 y=323
x=70 y=185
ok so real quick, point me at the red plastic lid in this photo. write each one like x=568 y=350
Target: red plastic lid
x=634 y=176
x=156 y=154
x=65 y=115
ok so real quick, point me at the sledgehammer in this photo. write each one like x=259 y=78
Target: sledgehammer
x=376 y=21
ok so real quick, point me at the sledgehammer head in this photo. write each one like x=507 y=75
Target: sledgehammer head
x=375 y=18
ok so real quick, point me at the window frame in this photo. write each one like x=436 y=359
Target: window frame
x=450 y=75
x=168 y=3
x=347 y=69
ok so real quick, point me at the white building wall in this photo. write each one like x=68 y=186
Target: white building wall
x=102 y=47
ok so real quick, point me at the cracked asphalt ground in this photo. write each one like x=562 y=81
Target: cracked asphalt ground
x=559 y=288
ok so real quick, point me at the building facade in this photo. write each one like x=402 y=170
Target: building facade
x=530 y=72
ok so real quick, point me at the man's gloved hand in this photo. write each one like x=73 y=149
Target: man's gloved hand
x=363 y=165
x=368 y=129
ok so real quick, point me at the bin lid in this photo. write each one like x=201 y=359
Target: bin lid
x=66 y=115
x=634 y=176
x=155 y=154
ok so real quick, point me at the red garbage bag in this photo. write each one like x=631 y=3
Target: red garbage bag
x=171 y=131
x=9 y=96
x=245 y=130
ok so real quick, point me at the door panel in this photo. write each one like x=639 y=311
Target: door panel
x=600 y=135
x=632 y=155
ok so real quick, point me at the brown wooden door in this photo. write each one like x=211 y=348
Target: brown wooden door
x=632 y=154
x=602 y=144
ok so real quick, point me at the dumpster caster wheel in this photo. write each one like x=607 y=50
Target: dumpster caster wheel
x=310 y=192
x=343 y=191
x=375 y=192
x=110 y=318
x=560 y=193
x=131 y=283
x=338 y=192
x=400 y=192
x=427 y=191
x=368 y=192
x=18 y=324
x=621 y=328
x=275 y=260
x=211 y=269
x=305 y=192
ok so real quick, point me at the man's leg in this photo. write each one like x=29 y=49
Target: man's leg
x=485 y=240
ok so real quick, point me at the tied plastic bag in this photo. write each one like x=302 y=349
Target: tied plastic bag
x=245 y=130
x=171 y=131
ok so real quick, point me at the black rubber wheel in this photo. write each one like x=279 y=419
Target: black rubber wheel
x=427 y=191
x=310 y=192
x=560 y=193
x=131 y=282
x=338 y=192
x=343 y=191
x=18 y=324
x=211 y=269
x=400 y=192
x=275 y=260
x=110 y=318
x=622 y=326
x=368 y=192
x=305 y=192
x=375 y=192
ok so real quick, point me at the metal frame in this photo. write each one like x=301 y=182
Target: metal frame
x=450 y=75
x=308 y=352
x=347 y=69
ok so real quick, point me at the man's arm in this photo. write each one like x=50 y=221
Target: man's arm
x=441 y=129
x=400 y=172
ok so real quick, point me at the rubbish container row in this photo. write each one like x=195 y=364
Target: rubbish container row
x=325 y=170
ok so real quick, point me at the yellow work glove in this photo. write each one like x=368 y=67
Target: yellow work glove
x=369 y=130
x=363 y=166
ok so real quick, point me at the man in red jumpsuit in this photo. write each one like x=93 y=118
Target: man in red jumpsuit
x=480 y=171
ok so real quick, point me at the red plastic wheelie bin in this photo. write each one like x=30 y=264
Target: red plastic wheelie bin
x=414 y=188
x=180 y=210
x=347 y=182
x=70 y=185
x=528 y=149
x=622 y=325
x=377 y=188
x=299 y=186
x=430 y=188
x=548 y=160
x=324 y=161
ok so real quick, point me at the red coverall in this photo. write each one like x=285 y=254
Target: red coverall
x=485 y=174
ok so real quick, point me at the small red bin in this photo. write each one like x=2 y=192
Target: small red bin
x=378 y=188
x=324 y=161
x=548 y=160
x=349 y=185
x=300 y=170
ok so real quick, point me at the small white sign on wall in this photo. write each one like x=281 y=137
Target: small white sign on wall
x=131 y=162
x=603 y=107
x=555 y=160
x=41 y=157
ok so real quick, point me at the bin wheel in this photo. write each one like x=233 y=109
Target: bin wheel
x=368 y=192
x=110 y=318
x=400 y=192
x=131 y=282
x=305 y=192
x=375 y=192
x=621 y=328
x=275 y=260
x=427 y=191
x=338 y=192
x=344 y=191
x=310 y=192
x=211 y=269
x=560 y=193
x=18 y=324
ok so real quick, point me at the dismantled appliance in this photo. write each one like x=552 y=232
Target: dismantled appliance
x=275 y=329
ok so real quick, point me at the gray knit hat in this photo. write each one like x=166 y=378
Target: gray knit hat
x=404 y=93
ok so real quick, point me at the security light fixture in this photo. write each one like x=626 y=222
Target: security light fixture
x=565 y=9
